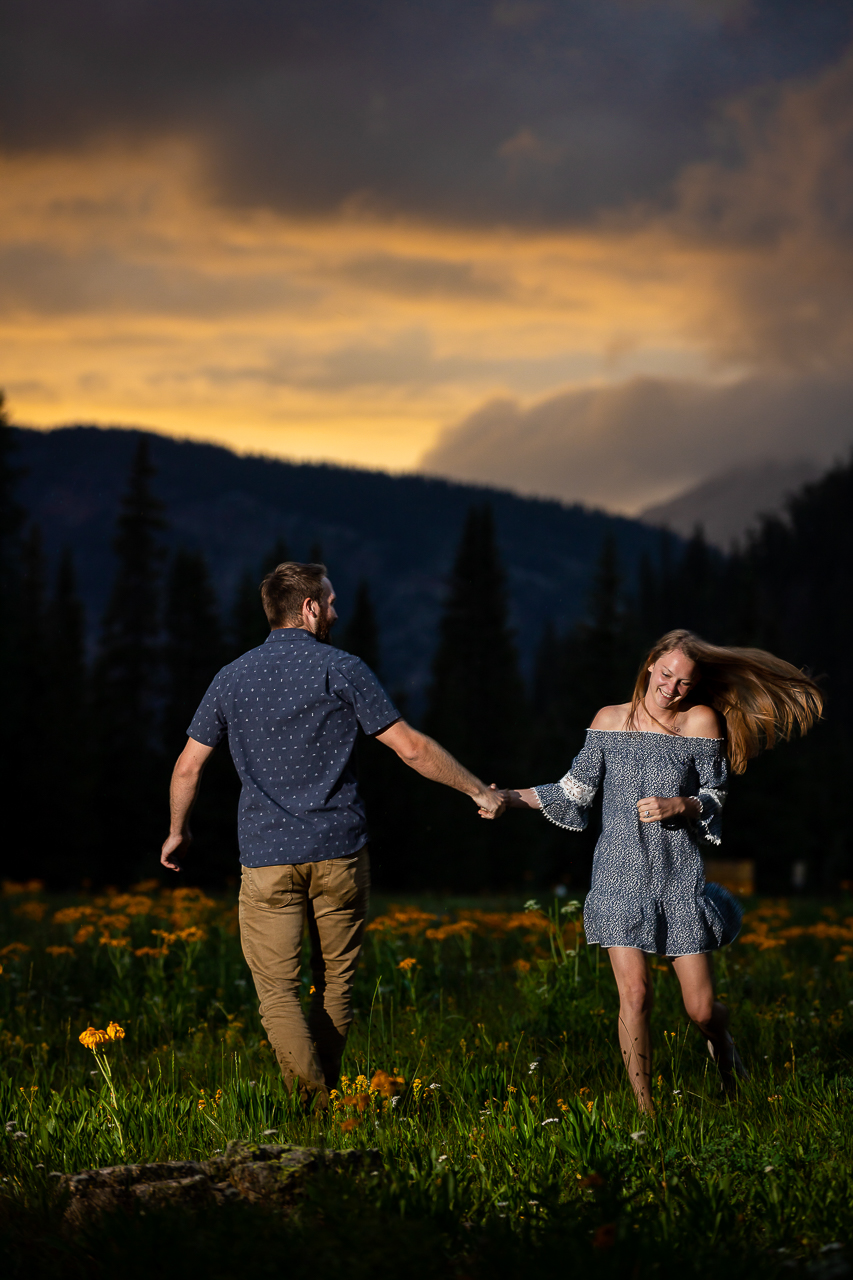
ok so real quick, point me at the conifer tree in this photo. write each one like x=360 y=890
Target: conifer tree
x=599 y=653
x=361 y=634
x=127 y=677
x=68 y=765
x=28 y=706
x=249 y=626
x=476 y=710
x=12 y=518
x=193 y=647
x=476 y=699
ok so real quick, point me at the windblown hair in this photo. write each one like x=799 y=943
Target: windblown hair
x=284 y=591
x=762 y=698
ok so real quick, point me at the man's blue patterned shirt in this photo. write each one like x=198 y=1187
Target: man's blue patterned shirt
x=291 y=710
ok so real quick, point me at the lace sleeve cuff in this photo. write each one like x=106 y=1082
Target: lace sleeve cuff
x=561 y=809
x=708 y=825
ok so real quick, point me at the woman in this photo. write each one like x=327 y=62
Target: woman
x=663 y=758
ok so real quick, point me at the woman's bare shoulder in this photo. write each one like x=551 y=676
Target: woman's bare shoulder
x=702 y=722
x=612 y=717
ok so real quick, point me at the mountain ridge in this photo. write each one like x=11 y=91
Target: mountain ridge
x=397 y=532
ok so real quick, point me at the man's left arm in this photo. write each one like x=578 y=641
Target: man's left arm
x=186 y=777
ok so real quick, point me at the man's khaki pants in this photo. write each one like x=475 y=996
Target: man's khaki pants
x=274 y=904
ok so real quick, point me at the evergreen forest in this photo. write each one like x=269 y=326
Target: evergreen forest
x=92 y=732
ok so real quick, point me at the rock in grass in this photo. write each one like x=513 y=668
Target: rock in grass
x=265 y=1174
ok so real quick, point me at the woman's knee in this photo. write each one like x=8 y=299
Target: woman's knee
x=636 y=998
x=699 y=1008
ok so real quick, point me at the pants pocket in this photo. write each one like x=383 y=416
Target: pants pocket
x=269 y=888
x=347 y=880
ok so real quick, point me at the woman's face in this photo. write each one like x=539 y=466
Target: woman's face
x=671 y=679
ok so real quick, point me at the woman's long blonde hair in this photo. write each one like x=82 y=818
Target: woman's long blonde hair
x=762 y=698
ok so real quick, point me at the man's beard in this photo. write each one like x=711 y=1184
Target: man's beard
x=324 y=627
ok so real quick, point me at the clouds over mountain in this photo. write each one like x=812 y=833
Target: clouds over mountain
x=771 y=234
x=643 y=441
x=582 y=232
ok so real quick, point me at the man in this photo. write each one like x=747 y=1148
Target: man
x=291 y=710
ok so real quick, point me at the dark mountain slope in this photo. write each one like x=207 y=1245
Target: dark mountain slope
x=399 y=532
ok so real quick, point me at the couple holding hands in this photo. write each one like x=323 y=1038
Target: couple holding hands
x=291 y=710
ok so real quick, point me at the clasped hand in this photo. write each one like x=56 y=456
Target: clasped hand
x=495 y=804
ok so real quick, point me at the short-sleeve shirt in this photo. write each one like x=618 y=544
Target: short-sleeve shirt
x=291 y=710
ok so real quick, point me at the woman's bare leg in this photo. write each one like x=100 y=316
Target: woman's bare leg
x=696 y=975
x=630 y=969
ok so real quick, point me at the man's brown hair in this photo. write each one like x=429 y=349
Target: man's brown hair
x=284 y=590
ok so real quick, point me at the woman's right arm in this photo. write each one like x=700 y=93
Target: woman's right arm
x=523 y=798
x=528 y=797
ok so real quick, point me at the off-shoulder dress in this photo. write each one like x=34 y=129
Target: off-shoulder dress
x=648 y=881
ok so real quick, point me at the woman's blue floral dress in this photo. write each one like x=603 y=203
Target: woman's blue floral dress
x=648 y=882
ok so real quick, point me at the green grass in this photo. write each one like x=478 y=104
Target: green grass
x=528 y=1153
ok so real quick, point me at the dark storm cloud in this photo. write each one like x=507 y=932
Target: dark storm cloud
x=486 y=110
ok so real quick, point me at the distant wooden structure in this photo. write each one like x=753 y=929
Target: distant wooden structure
x=737 y=877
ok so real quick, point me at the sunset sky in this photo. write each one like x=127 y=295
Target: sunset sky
x=593 y=249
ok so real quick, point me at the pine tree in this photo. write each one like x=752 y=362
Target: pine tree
x=28 y=710
x=600 y=655
x=361 y=634
x=476 y=710
x=193 y=648
x=127 y=680
x=68 y=764
x=12 y=519
x=476 y=699
x=248 y=624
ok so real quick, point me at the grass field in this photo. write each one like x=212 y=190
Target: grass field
x=514 y=1147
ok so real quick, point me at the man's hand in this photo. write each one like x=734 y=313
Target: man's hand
x=659 y=808
x=175 y=849
x=492 y=803
x=186 y=777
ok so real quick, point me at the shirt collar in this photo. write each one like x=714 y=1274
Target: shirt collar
x=289 y=635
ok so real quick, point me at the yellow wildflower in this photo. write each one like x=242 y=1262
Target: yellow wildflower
x=192 y=934
x=409 y=963
x=32 y=910
x=115 y=1032
x=14 y=948
x=60 y=951
x=70 y=915
x=11 y=887
x=84 y=933
x=92 y=1037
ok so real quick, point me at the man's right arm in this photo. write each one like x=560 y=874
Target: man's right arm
x=186 y=777
x=430 y=759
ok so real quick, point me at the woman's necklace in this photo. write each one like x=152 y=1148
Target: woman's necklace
x=675 y=729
